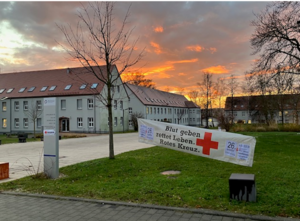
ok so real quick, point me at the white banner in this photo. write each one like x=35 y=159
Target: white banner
x=224 y=146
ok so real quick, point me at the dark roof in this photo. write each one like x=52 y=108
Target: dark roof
x=149 y=96
x=60 y=78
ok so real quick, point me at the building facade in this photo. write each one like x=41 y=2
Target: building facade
x=264 y=109
x=159 y=105
x=80 y=99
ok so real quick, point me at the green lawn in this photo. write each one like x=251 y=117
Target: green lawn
x=203 y=183
x=14 y=139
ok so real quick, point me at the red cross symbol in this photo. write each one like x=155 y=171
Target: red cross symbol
x=206 y=143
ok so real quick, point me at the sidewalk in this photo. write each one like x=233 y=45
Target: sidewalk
x=34 y=207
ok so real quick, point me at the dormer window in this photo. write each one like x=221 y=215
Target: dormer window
x=22 y=90
x=52 y=88
x=94 y=86
x=9 y=90
x=82 y=87
x=68 y=87
x=1 y=91
x=31 y=89
x=44 y=88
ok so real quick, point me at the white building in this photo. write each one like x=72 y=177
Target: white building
x=79 y=95
x=77 y=91
x=162 y=106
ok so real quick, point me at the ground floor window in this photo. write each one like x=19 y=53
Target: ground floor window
x=116 y=121
x=39 y=122
x=25 y=122
x=91 y=122
x=79 y=122
x=4 y=122
x=17 y=122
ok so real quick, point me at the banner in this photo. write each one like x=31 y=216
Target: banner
x=224 y=146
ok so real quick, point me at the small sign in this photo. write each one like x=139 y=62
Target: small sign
x=49 y=101
x=49 y=132
x=244 y=150
x=230 y=149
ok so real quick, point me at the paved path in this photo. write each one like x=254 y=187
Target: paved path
x=49 y=208
x=26 y=158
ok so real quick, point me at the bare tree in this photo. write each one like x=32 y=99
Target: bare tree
x=134 y=118
x=220 y=91
x=33 y=113
x=97 y=39
x=206 y=87
x=180 y=113
x=139 y=80
x=276 y=39
x=194 y=96
x=232 y=86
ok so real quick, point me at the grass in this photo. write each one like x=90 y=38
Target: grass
x=14 y=139
x=203 y=183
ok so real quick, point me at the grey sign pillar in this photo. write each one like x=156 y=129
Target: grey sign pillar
x=51 y=133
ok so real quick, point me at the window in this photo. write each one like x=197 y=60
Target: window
x=3 y=106
x=158 y=110
x=31 y=89
x=234 y=113
x=121 y=120
x=63 y=104
x=82 y=87
x=39 y=105
x=25 y=105
x=22 y=90
x=79 y=104
x=115 y=104
x=16 y=105
x=121 y=105
x=130 y=123
x=130 y=110
x=249 y=121
x=39 y=122
x=116 y=121
x=79 y=122
x=9 y=90
x=25 y=122
x=286 y=112
x=243 y=113
x=91 y=122
x=1 y=91
x=118 y=88
x=16 y=122
x=150 y=110
x=4 y=122
x=68 y=87
x=165 y=110
x=44 y=88
x=280 y=113
x=147 y=110
x=155 y=110
x=90 y=103
x=94 y=86
x=52 y=88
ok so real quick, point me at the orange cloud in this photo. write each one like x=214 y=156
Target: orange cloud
x=184 y=61
x=157 y=47
x=212 y=50
x=197 y=48
x=216 y=70
x=182 y=74
x=159 y=29
x=159 y=70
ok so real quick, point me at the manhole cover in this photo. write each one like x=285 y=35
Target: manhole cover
x=170 y=172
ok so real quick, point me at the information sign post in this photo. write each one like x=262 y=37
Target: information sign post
x=51 y=133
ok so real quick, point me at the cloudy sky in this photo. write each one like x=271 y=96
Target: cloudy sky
x=181 y=39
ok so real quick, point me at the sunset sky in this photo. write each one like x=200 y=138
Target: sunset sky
x=181 y=39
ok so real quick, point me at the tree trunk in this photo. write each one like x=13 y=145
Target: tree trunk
x=110 y=118
x=34 y=129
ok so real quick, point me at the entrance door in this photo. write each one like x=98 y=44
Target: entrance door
x=65 y=125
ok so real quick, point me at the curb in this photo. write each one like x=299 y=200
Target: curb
x=149 y=206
